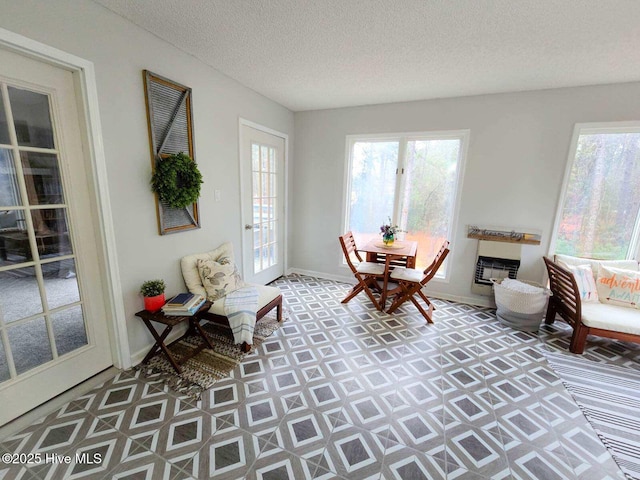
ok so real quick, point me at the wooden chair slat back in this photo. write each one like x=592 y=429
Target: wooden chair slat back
x=566 y=294
x=432 y=269
x=348 y=244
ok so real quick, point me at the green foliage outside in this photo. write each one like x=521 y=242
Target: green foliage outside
x=373 y=181
x=431 y=184
x=603 y=197
x=427 y=197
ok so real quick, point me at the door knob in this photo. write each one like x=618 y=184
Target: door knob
x=248 y=227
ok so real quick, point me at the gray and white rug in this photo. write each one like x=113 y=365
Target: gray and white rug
x=605 y=383
x=204 y=369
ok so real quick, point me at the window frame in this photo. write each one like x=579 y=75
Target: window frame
x=633 y=253
x=463 y=135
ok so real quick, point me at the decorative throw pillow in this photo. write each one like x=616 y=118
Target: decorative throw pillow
x=585 y=281
x=219 y=278
x=595 y=264
x=619 y=287
x=189 y=266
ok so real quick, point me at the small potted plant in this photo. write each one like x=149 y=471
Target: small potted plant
x=153 y=293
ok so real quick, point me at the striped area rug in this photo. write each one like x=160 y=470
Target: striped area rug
x=609 y=397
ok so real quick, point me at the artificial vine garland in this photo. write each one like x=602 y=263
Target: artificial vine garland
x=177 y=180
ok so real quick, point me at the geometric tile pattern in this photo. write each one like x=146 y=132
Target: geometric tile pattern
x=339 y=391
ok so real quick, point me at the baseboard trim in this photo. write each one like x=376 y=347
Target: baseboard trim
x=178 y=331
x=479 y=302
x=328 y=276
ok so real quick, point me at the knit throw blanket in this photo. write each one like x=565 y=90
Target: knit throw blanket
x=240 y=307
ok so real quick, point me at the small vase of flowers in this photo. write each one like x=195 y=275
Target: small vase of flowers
x=388 y=232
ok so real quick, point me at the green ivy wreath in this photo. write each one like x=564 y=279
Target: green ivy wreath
x=177 y=180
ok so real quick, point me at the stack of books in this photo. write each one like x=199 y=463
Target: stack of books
x=183 y=304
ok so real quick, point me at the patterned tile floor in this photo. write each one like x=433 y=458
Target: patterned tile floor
x=340 y=391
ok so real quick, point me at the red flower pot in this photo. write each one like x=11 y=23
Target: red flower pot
x=153 y=304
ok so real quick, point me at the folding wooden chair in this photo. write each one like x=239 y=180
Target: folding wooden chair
x=411 y=280
x=367 y=273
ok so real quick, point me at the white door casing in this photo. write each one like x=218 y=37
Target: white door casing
x=262 y=182
x=70 y=91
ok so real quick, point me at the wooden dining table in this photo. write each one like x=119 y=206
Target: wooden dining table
x=399 y=252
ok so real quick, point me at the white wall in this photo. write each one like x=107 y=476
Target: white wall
x=517 y=154
x=120 y=51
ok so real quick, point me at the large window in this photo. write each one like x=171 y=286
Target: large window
x=599 y=213
x=412 y=179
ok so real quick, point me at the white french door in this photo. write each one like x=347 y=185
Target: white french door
x=53 y=327
x=262 y=166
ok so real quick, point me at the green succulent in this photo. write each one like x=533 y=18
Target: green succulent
x=152 y=288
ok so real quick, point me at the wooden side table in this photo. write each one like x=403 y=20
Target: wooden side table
x=170 y=322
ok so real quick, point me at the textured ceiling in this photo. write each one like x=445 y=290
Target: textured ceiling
x=314 y=54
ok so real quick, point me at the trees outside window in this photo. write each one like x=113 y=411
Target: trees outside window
x=413 y=179
x=600 y=208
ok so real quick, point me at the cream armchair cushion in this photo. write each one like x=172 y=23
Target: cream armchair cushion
x=266 y=294
x=189 y=266
x=191 y=275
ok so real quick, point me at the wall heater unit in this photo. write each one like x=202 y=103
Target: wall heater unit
x=495 y=260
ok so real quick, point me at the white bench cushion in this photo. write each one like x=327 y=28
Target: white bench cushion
x=265 y=295
x=611 y=317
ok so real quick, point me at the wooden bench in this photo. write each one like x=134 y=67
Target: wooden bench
x=600 y=319
x=268 y=297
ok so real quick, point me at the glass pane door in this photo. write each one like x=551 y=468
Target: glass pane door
x=265 y=212
x=262 y=173
x=41 y=314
